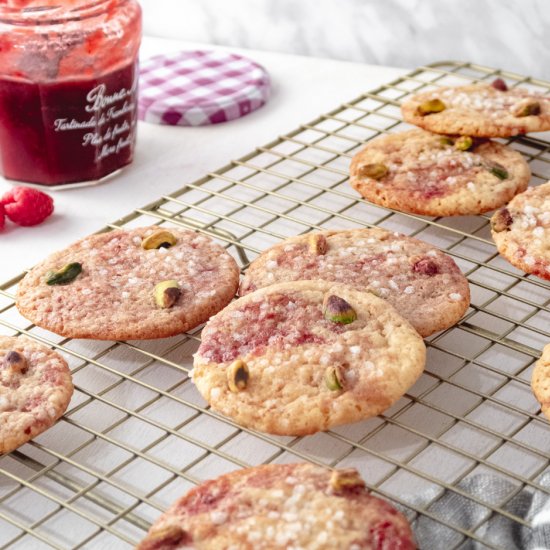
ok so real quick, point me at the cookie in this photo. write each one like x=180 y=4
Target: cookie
x=481 y=110
x=424 y=173
x=521 y=231
x=540 y=381
x=281 y=506
x=297 y=358
x=130 y=284
x=35 y=390
x=423 y=284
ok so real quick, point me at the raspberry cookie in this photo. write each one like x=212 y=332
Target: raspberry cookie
x=421 y=282
x=424 y=173
x=297 y=358
x=481 y=110
x=521 y=231
x=540 y=382
x=122 y=285
x=281 y=506
x=35 y=390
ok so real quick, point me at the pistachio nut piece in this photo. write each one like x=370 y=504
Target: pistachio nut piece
x=501 y=220
x=159 y=239
x=16 y=362
x=430 y=107
x=463 y=143
x=166 y=293
x=445 y=140
x=499 y=171
x=337 y=310
x=347 y=478
x=334 y=379
x=66 y=274
x=237 y=376
x=317 y=244
x=530 y=108
x=499 y=84
x=168 y=536
x=374 y=171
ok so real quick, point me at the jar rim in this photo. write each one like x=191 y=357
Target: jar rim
x=54 y=13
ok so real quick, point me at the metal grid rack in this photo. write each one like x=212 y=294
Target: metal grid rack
x=137 y=435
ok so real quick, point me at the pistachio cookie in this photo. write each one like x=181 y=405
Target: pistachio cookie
x=297 y=358
x=35 y=390
x=540 y=381
x=481 y=110
x=521 y=231
x=421 y=282
x=281 y=506
x=130 y=284
x=424 y=173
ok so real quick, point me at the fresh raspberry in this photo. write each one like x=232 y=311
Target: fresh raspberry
x=2 y=217
x=26 y=206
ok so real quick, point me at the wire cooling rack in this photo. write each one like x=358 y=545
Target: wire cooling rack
x=137 y=435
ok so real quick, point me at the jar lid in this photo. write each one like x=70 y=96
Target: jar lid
x=195 y=88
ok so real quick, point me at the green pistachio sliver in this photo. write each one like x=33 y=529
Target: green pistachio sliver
x=375 y=171
x=167 y=536
x=431 y=106
x=528 y=109
x=158 y=239
x=237 y=376
x=166 y=293
x=337 y=310
x=347 y=478
x=317 y=244
x=16 y=362
x=444 y=140
x=501 y=220
x=499 y=171
x=463 y=143
x=333 y=379
x=66 y=274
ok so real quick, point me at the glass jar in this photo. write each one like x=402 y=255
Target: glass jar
x=68 y=85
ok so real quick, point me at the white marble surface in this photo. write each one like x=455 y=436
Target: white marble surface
x=509 y=34
x=168 y=157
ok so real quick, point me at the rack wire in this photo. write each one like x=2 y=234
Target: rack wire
x=137 y=435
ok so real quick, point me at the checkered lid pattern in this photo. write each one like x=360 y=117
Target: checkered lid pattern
x=195 y=88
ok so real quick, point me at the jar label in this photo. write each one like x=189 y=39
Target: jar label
x=72 y=131
x=111 y=127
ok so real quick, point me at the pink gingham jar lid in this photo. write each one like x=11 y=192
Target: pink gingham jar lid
x=195 y=88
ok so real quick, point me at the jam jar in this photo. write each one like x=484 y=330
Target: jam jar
x=68 y=85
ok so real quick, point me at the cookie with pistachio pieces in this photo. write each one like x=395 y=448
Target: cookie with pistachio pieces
x=424 y=173
x=35 y=390
x=540 y=381
x=481 y=110
x=521 y=231
x=297 y=358
x=149 y=282
x=421 y=282
x=281 y=506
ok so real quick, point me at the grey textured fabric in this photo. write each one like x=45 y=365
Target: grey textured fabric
x=499 y=531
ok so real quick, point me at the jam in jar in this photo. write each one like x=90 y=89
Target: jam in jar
x=68 y=85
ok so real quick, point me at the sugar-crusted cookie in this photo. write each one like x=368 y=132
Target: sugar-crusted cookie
x=141 y=283
x=540 y=381
x=423 y=284
x=281 y=506
x=296 y=358
x=35 y=390
x=482 y=110
x=521 y=231
x=424 y=173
